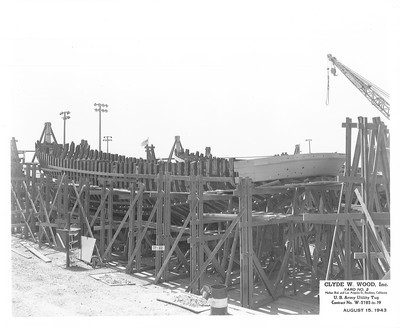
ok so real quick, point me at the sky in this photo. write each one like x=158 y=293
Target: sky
x=247 y=78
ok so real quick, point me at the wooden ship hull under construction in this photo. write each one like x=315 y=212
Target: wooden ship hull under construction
x=290 y=166
x=269 y=226
x=262 y=169
x=279 y=171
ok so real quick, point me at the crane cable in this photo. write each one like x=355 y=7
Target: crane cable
x=327 y=87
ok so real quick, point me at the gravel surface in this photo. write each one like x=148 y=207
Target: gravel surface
x=189 y=300
x=49 y=289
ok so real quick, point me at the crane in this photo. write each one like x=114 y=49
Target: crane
x=373 y=93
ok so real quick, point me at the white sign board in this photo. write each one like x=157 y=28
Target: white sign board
x=158 y=248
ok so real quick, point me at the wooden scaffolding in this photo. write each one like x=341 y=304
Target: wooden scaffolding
x=181 y=221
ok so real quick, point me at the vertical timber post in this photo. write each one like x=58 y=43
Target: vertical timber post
x=27 y=205
x=67 y=218
x=132 y=221
x=249 y=219
x=159 y=225
x=102 y=219
x=200 y=229
x=246 y=244
x=362 y=121
x=167 y=222
x=110 y=216
x=139 y=229
x=193 y=237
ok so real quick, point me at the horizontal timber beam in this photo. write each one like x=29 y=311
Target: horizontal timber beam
x=330 y=218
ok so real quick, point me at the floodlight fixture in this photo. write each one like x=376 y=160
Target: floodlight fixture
x=100 y=109
x=65 y=116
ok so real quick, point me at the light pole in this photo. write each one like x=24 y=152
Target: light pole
x=65 y=116
x=309 y=145
x=100 y=110
x=107 y=139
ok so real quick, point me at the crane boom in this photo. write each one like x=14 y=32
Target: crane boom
x=372 y=92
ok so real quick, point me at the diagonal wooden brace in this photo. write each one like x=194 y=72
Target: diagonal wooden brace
x=76 y=202
x=217 y=247
x=264 y=277
x=102 y=202
x=56 y=195
x=216 y=264
x=109 y=246
x=178 y=238
x=143 y=233
x=23 y=214
x=86 y=220
x=46 y=215
x=36 y=212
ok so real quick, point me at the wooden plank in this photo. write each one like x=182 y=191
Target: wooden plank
x=20 y=254
x=36 y=252
x=382 y=218
x=136 y=175
x=217 y=197
x=54 y=225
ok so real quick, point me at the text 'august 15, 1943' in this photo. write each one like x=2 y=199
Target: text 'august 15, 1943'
x=355 y=296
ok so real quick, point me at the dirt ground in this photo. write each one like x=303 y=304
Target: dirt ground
x=42 y=289
x=49 y=290
x=42 y=294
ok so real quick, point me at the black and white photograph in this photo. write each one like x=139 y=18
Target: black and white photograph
x=190 y=163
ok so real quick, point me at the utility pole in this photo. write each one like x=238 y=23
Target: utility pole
x=100 y=110
x=309 y=145
x=107 y=139
x=65 y=116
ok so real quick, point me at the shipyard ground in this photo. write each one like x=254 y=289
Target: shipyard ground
x=49 y=289
x=41 y=289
